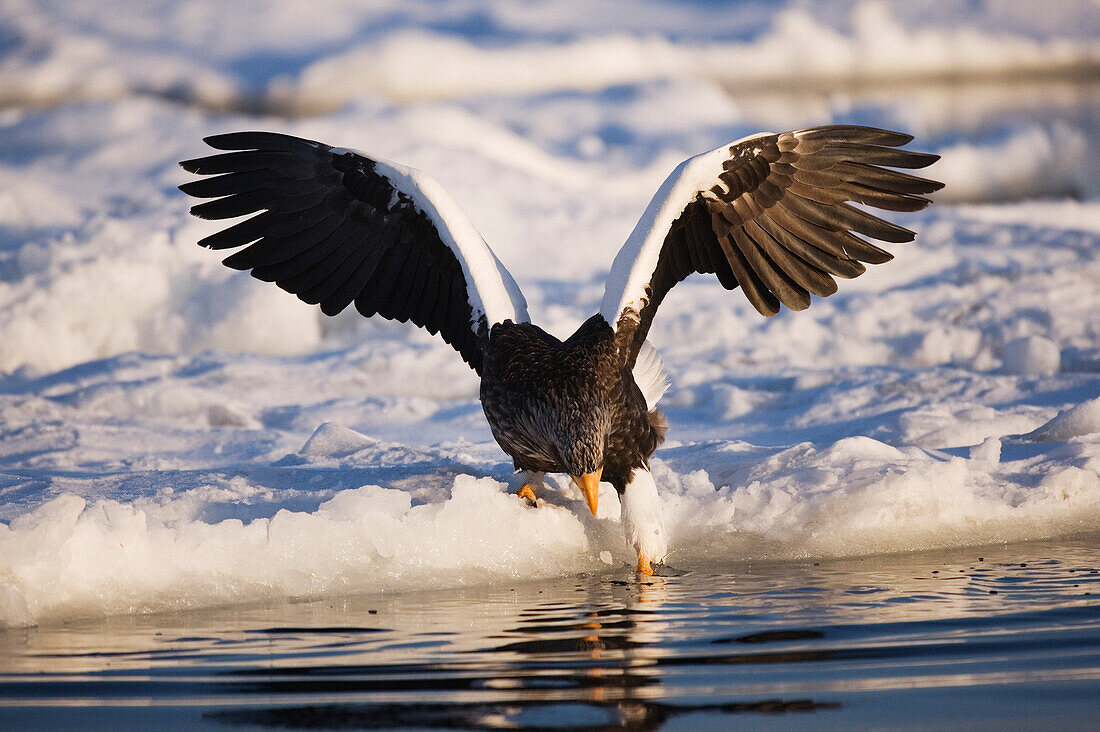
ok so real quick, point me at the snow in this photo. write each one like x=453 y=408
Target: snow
x=1032 y=355
x=174 y=434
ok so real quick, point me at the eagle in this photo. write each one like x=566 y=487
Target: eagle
x=770 y=213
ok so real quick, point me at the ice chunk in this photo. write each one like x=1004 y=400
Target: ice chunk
x=989 y=451
x=14 y=612
x=223 y=415
x=1083 y=419
x=331 y=440
x=1032 y=356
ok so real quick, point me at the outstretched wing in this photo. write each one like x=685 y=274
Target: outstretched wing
x=768 y=213
x=336 y=227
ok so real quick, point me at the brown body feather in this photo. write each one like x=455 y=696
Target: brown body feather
x=545 y=399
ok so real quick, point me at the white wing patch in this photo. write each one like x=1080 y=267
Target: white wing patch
x=636 y=262
x=491 y=290
x=650 y=375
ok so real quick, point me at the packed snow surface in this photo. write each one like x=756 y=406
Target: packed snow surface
x=174 y=434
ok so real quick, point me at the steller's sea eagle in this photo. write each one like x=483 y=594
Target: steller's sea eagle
x=768 y=213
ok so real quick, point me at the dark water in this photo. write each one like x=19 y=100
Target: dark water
x=991 y=638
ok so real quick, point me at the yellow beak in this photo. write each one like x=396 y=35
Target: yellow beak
x=589 y=483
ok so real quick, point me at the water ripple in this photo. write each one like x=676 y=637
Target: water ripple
x=848 y=639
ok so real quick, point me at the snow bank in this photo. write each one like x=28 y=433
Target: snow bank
x=859 y=496
x=799 y=46
x=72 y=557
x=1031 y=161
x=69 y=557
x=202 y=53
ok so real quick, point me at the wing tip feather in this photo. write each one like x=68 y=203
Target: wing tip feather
x=867 y=157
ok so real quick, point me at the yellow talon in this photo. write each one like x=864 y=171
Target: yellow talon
x=644 y=567
x=526 y=492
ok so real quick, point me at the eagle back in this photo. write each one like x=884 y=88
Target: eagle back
x=547 y=400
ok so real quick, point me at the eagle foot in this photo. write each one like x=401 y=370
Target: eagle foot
x=527 y=494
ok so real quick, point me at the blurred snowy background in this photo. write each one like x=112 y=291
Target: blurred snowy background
x=175 y=434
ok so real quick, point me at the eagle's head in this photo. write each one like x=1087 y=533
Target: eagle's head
x=564 y=436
